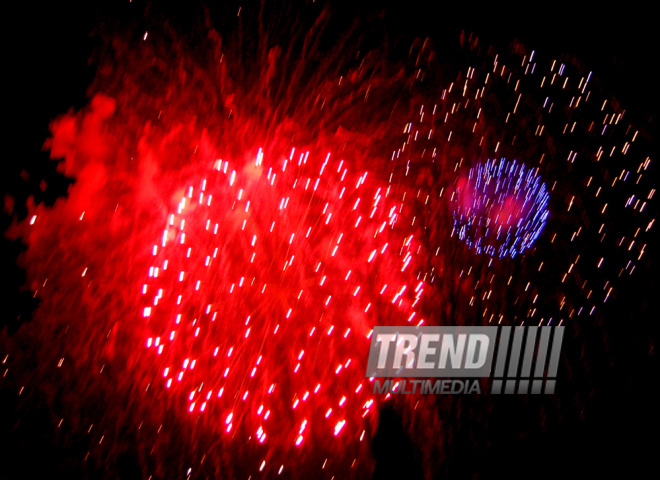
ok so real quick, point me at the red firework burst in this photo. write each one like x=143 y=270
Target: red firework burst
x=263 y=292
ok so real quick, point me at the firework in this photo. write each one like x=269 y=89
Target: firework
x=572 y=137
x=263 y=292
x=500 y=208
x=245 y=212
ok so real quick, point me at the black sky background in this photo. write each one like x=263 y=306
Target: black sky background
x=45 y=63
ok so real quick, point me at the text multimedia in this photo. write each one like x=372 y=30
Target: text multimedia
x=426 y=387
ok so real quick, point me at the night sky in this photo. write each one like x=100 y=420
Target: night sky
x=603 y=418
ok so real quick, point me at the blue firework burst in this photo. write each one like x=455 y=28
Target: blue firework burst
x=500 y=208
